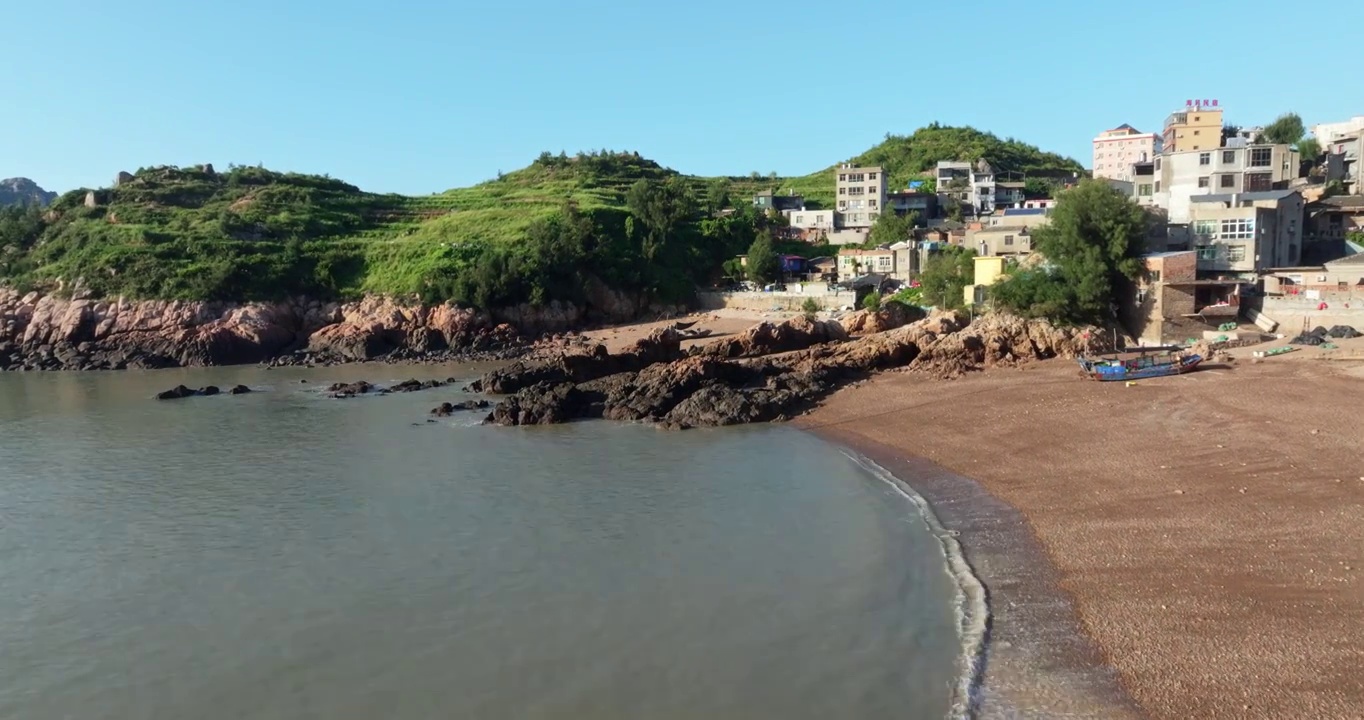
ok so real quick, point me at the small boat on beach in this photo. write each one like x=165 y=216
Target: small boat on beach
x=1141 y=367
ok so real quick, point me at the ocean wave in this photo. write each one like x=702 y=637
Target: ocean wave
x=972 y=606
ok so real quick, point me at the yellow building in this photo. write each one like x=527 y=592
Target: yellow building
x=1196 y=127
x=988 y=271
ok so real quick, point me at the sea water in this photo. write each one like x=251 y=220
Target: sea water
x=283 y=554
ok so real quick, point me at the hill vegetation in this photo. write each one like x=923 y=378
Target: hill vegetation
x=553 y=230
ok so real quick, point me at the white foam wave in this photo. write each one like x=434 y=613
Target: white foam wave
x=972 y=606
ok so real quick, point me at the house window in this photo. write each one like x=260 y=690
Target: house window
x=1205 y=228
x=842 y=204
x=1238 y=229
x=1157 y=164
x=800 y=219
x=857 y=190
x=1261 y=157
x=1203 y=182
x=1228 y=157
x=873 y=216
x=842 y=177
x=1236 y=253
x=857 y=178
x=1008 y=239
x=871 y=176
x=1206 y=252
x=1144 y=190
x=1228 y=181
x=1195 y=132
x=1258 y=182
x=1204 y=158
x=843 y=191
x=1155 y=276
x=871 y=204
x=1157 y=186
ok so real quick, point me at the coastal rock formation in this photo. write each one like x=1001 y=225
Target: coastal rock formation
x=771 y=372
x=446 y=409
x=48 y=332
x=663 y=345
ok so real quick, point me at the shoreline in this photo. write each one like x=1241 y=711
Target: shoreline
x=1206 y=530
x=1024 y=648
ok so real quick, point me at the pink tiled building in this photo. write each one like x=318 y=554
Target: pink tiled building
x=1116 y=150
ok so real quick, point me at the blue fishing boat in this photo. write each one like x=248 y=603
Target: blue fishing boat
x=1141 y=367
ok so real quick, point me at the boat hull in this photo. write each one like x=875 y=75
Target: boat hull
x=1109 y=371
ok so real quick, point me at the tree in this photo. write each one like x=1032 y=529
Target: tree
x=809 y=307
x=717 y=194
x=872 y=302
x=763 y=263
x=1309 y=150
x=890 y=228
x=946 y=275
x=661 y=208
x=1287 y=129
x=1038 y=188
x=1092 y=245
x=1230 y=131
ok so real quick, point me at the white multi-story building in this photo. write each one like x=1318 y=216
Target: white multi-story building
x=1116 y=150
x=1326 y=133
x=1181 y=176
x=861 y=195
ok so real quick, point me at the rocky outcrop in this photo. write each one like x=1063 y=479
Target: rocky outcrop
x=22 y=191
x=771 y=372
x=663 y=345
x=49 y=332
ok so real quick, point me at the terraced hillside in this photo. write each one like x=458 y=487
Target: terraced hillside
x=543 y=232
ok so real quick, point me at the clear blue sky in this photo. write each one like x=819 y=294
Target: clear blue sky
x=417 y=97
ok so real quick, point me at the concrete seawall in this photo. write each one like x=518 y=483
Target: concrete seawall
x=777 y=301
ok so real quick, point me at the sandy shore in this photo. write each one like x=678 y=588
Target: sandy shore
x=1208 y=529
x=719 y=322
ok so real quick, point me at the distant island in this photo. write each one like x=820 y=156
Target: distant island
x=550 y=231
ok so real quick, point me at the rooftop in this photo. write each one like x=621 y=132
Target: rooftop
x=1168 y=253
x=851 y=251
x=1243 y=197
x=1014 y=212
x=1356 y=259
x=1342 y=202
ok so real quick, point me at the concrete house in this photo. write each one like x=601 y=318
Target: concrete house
x=766 y=200
x=923 y=204
x=1242 y=234
x=811 y=219
x=1198 y=126
x=860 y=195
x=853 y=263
x=1343 y=162
x=1183 y=175
x=1116 y=150
x=987 y=272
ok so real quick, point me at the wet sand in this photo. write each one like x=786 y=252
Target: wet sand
x=1206 y=531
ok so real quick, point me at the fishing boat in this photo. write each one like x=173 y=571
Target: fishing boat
x=1175 y=362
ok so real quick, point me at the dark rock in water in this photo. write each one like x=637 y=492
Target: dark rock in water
x=209 y=390
x=350 y=390
x=662 y=346
x=304 y=381
x=446 y=409
x=239 y=390
x=175 y=393
x=541 y=404
x=415 y=385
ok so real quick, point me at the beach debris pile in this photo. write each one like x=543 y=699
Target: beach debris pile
x=771 y=372
x=1322 y=336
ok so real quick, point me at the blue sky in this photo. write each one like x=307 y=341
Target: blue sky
x=418 y=97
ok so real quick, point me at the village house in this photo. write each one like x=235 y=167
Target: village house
x=1171 y=304
x=1242 y=234
x=923 y=204
x=1343 y=162
x=1117 y=150
x=987 y=271
x=1198 y=126
x=1182 y=176
x=860 y=195
x=802 y=219
x=766 y=200
x=1335 y=280
x=855 y=262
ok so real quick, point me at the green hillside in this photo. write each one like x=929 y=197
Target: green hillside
x=547 y=231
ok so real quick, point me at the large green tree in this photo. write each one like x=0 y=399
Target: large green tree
x=890 y=228
x=946 y=275
x=764 y=264
x=1287 y=129
x=1092 y=246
